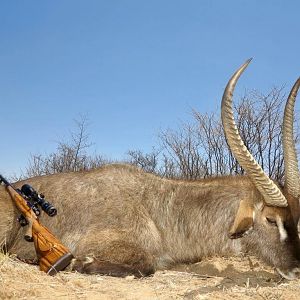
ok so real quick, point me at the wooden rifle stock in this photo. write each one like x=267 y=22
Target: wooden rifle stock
x=53 y=256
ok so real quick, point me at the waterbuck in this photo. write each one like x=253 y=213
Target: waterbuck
x=119 y=220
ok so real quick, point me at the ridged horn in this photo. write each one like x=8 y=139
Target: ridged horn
x=292 y=180
x=269 y=190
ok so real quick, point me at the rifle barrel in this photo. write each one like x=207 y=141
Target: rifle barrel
x=4 y=180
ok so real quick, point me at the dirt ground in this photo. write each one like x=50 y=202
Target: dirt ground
x=216 y=278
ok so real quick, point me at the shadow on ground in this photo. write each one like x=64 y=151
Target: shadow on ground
x=228 y=276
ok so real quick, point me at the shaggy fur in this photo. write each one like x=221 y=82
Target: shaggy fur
x=118 y=220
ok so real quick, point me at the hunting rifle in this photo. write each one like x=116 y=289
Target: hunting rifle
x=52 y=255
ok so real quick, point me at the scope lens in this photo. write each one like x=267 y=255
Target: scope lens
x=51 y=211
x=27 y=190
x=48 y=209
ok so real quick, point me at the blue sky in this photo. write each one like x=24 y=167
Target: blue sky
x=133 y=67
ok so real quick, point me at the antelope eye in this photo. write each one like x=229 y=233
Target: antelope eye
x=271 y=221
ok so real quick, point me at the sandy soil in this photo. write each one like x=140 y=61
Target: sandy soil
x=217 y=278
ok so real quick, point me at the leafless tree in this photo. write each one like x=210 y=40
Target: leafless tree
x=183 y=148
x=148 y=161
x=199 y=148
x=69 y=156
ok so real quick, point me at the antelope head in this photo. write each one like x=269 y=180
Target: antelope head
x=267 y=220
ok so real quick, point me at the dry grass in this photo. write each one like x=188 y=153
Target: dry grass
x=217 y=278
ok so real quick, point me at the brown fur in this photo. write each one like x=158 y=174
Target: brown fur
x=243 y=220
x=130 y=222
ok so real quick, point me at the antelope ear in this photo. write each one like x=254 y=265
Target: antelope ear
x=243 y=221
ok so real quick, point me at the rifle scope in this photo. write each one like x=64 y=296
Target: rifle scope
x=32 y=195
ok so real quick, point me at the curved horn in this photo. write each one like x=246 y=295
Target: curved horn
x=269 y=190
x=292 y=180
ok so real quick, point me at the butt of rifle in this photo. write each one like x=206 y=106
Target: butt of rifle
x=52 y=267
x=60 y=264
x=52 y=254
